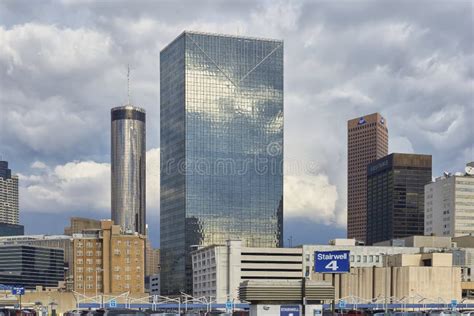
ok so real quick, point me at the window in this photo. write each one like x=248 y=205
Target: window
x=79 y=261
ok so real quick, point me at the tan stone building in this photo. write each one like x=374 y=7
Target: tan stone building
x=108 y=261
x=79 y=224
x=428 y=275
x=367 y=141
x=152 y=263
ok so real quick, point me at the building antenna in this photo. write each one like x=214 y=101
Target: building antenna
x=128 y=83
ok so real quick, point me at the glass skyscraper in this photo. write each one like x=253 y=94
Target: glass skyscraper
x=128 y=168
x=221 y=147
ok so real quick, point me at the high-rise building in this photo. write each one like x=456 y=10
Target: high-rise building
x=128 y=168
x=31 y=266
x=449 y=204
x=9 y=206
x=109 y=261
x=395 y=196
x=367 y=141
x=221 y=147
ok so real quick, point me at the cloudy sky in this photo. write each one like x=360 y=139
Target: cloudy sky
x=63 y=66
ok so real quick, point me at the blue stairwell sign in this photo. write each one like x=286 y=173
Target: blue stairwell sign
x=18 y=291
x=454 y=304
x=290 y=310
x=228 y=306
x=332 y=261
x=342 y=304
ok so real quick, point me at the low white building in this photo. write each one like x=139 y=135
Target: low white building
x=449 y=204
x=219 y=269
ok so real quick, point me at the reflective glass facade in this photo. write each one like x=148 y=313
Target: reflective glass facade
x=221 y=147
x=128 y=168
x=30 y=266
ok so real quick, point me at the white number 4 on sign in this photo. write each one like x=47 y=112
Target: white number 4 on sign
x=332 y=265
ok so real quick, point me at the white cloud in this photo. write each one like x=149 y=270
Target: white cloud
x=79 y=186
x=36 y=47
x=61 y=74
x=311 y=197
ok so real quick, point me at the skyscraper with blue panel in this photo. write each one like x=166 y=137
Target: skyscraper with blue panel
x=221 y=147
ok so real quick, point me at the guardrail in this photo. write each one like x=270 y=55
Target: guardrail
x=247 y=306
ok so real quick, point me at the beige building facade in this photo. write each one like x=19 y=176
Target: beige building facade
x=108 y=261
x=449 y=205
x=430 y=276
x=152 y=259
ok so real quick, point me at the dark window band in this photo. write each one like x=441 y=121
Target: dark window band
x=128 y=114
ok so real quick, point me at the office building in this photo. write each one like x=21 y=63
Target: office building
x=367 y=141
x=221 y=148
x=31 y=266
x=79 y=224
x=449 y=205
x=128 y=168
x=395 y=196
x=11 y=229
x=62 y=242
x=109 y=261
x=9 y=205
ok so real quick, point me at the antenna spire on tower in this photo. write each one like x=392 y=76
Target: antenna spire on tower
x=128 y=83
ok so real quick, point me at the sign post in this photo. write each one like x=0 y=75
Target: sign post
x=454 y=304
x=113 y=303
x=342 y=304
x=228 y=306
x=333 y=262
x=19 y=291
